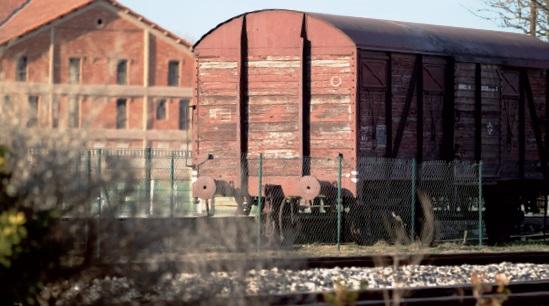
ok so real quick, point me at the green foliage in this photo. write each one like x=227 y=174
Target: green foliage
x=12 y=232
x=3 y=157
x=29 y=256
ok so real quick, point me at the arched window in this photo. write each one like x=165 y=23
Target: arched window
x=21 y=73
x=122 y=72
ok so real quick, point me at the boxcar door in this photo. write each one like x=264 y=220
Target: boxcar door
x=491 y=120
x=433 y=102
x=373 y=90
x=509 y=147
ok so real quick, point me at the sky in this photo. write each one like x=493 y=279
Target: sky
x=192 y=19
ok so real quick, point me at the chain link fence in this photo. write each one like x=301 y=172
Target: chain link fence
x=160 y=184
x=268 y=201
x=298 y=200
x=374 y=199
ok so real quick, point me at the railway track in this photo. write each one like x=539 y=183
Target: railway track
x=294 y=263
x=521 y=293
x=524 y=293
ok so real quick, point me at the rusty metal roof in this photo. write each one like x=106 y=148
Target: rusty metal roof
x=465 y=44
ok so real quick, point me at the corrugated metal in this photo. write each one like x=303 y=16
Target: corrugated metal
x=465 y=44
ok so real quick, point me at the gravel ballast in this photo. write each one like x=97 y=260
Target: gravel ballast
x=188 y=287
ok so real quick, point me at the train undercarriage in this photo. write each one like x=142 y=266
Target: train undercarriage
x=388 y=211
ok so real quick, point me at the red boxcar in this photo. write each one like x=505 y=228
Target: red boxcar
x=293 y=85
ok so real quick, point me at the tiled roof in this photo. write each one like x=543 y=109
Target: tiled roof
x=38 y=13
x=8 y=7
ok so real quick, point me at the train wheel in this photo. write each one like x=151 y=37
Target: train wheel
x=289 y=223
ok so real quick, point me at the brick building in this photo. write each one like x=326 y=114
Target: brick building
x=70 y=64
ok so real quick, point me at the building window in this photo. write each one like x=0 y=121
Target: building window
x=173 y=73
x=183 y=114
x=55 y=113
x=122 y=72
x=74 y=70
x=161 y=109
x=121 y=118
x=32 y=111
x=6 y=106
x=21 y=69
x=7 y=100
x=74 y=112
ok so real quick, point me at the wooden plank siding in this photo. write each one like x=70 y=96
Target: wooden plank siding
x=309 y=93
x=217 y=116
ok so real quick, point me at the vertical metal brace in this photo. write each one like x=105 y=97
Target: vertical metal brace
x=305 y=100
x=389 y=107
x=259 y=199
x=478 y=112
x=522 y=125
x=339 y=200
x=449 y=110
x=419 y=110
x=242 y=108
x=480 y=204
x=172 y=184
x=413 y=202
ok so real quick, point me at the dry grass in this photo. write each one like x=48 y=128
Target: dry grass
x=325 y=250
x=382 y=248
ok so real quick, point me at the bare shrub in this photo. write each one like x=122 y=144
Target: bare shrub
x=41 y=183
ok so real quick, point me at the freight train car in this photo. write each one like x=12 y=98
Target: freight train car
x=294 y=85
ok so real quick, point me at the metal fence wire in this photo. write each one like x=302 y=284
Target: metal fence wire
x=330 y=200
x=374 y=199
x=452 y=192
x=386 y=200
x=298 y=202
x=158 y=182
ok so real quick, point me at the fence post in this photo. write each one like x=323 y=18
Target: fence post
x=147 y=182
x=339 y=200
x=172 y=183
x=259 y=199
x=413 y=202
x=480 y=204
x=89 y=173
x=99 y=208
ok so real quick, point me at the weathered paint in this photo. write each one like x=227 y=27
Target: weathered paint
x=274 y=81
x=312 y=90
